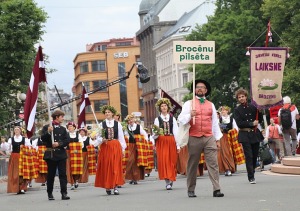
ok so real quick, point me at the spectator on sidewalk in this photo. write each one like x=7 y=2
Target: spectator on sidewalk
x=4 y=147
x=291 y=132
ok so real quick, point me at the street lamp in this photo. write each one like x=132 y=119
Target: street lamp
x=22 y=97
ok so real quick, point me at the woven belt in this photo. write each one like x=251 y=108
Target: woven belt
x=246 y=129
x=51 y=149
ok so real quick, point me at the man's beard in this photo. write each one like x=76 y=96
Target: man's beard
x=200 y=95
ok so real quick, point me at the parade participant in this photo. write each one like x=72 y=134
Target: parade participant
x=247 y=118
x=117 y=117
x=165 y=131
x=74 y=170
x=42 y=165
x=151 y=149
x=109 y=174
x=137 y=136
x=86 y=143
x=226 y=152
x=56 y=155
x=15 y=181
x=204 y=136
x=290 y=132
x=275 y=139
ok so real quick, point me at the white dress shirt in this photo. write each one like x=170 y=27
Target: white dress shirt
x=185 y=118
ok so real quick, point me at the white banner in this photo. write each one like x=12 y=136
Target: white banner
x=194 y=52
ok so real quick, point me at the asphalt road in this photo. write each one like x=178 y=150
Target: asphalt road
x=272 y=192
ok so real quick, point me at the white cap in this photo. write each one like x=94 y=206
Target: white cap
x=287 y=99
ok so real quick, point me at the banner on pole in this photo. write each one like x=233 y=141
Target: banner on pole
x=194 y=52
x=266 y=74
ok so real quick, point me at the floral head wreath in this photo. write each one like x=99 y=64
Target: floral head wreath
x=108 y=107
x=227 y=108
x=128 y=117
x=163 y=101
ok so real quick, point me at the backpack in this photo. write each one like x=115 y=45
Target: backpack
x=286 y=117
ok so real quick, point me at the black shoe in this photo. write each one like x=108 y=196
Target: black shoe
x=50 y=196
x=131 y=182
x=116 y=192
x=108 y=191
x=191 y=194
x=76 y=184
x=64 y=196
x=217 y=193
x=43 y=184
x=135 y=182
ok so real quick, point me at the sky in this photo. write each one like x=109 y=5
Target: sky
x=73 y=24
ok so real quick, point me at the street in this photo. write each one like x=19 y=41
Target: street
x=272 y=192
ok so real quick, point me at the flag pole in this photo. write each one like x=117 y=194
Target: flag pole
x=194 y=75
x=49 y=113
x=93 y=111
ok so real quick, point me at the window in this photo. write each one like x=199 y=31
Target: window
x=103 y=47
x=185 y=78
x=123 y=90
x=87 y=86
x=98 y=65
x=141 y=103
x=88 y=109
x=123 y=43
x=84 y=68
x=99 y=103
x=97 y=84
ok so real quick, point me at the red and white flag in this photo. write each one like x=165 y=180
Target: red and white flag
x=85 y=101
x=38 y=75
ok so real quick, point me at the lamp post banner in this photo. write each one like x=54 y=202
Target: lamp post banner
x=194 y=52
x=266 y=75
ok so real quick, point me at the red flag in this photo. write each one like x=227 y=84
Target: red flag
x=176 y=108
x=38 y=75
x=85 y=101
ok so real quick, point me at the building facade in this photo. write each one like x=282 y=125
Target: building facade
x=104 y=64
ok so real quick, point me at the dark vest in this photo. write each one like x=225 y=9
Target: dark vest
x=161 y=123
x=226 y=127
x=85 y=144
x=16 y=146
x=71 y=140
x=115 y=129
x=137 y=131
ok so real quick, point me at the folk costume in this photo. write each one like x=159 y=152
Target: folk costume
x=275 y=139
x=202 y=137
x=88 y=156
x=74 y=161
x=56 y=156
x=109 y=174
x=42 y=165
x=228 y=157
x=165 y=131
x=151 y=163
x=16 y=182
x=137 y=151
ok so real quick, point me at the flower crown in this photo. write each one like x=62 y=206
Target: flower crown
x=227 y=108
x=163 y=101
x=128 y=117
x=108 y=107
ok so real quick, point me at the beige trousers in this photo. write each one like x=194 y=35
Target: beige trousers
x=209 y=147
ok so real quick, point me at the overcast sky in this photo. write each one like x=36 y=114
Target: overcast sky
x=73 y=24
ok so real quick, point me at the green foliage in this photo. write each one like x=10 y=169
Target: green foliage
x=21 y=23
x=235 y=26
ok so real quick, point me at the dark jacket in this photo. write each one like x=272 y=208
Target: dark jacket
x=60 y=136
x=244 y=117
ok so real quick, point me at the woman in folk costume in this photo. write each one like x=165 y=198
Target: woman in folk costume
x=151 y=149
x=16 y=183
x=40 y=148
x=87 y=147
x=165 y=131
x=109 y=174
x=72 y=174
x=137 y=136
x=226 y=159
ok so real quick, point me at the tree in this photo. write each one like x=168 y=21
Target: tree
x=285 y=19
x=234 y=26
x=21 y=23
